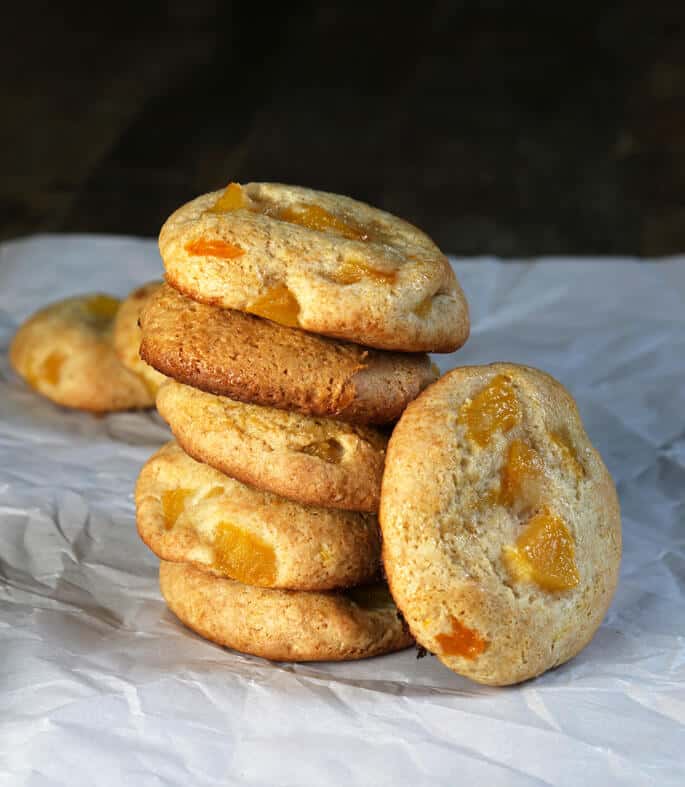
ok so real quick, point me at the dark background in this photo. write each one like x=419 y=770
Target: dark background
x=506 y=128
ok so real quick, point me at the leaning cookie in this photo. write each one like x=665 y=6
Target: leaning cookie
x=188 y=512
x=501 y=525
x=317 y=261
x=127 y=335
x=284 y=625
x=65 y=352
x=233 y=354
x=316 y=461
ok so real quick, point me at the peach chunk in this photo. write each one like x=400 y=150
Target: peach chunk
x=243 y=556
x=353 y=271
x=51 y=368
x=544 y=554
x=214 y=248
x=461 y=641
x=277 y=304
x=493 y=409
x=173 y=503
x=328 y=450
x=314 y=217
x=102 y=307
x=523 y=467
x=232 y=199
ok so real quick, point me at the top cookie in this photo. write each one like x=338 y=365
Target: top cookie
x=317 y=261
x=233 y=354
x=65 y=352
x=501 y=526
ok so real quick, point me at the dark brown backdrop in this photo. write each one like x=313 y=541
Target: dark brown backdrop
x=503 y=128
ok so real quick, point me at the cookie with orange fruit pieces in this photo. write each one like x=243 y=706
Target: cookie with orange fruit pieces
x=285 y=625
x=501 y=525
x=189 y=512
x=322 y=262
x=65 y=352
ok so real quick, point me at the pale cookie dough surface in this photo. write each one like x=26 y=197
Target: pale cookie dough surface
x=316 y=461
x=284 y=625
x=234 y=354
x=321 y=261
x=191 y=513
x=501 y=526
x=127 y=335
x=65 y=352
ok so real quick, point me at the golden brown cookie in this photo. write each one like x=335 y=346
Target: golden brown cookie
x=318 y=261
x=316 y=461
x=64 y=351
x=501 y=525
x=127 y=335
x=284 y=625
x=191 y=513
x=233 y=354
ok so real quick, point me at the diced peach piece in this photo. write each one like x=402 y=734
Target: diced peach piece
x=461 y=641
x=51 y=368
x=173 y=504
x=243 y=556
x=277 y=304
x=233 y=198
x=314 y=217
x=353 y=271
x=493 y=409
x=214 y=248
x=523 y=466
x=544 y=554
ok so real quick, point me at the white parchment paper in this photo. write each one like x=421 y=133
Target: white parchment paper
x=100 y=685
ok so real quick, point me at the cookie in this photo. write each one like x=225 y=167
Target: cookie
x=284 y=625
x=65 y=352
x=127 y=335
x=191 y=513
x=252 y=360
x=501 y=526
x=316 y=461
x=317 y=261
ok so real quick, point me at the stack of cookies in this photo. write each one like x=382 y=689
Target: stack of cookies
x=293 y=327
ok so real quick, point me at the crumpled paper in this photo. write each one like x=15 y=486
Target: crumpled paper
x=100 y=684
